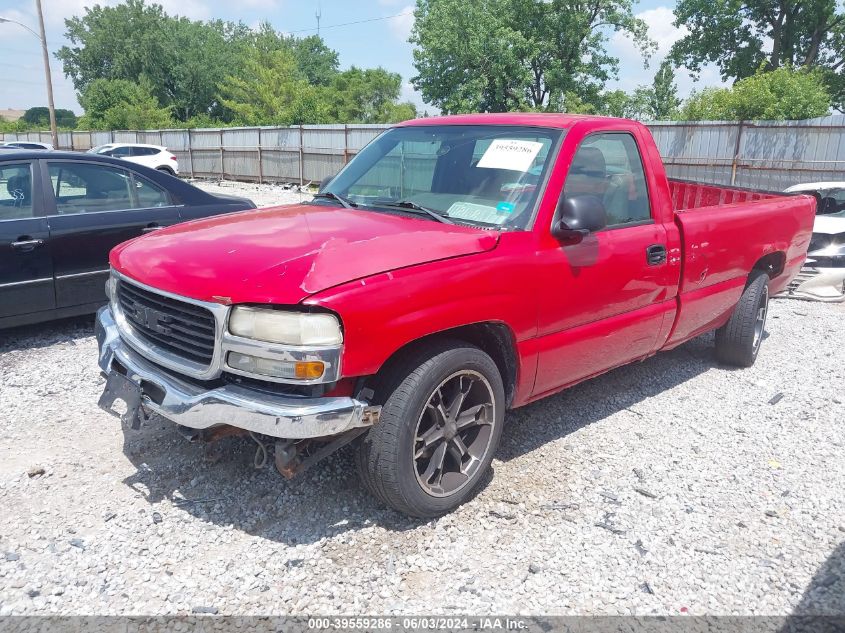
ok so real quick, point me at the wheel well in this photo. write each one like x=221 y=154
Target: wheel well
x=495 y=339
x=771 y=264
x=166 y=170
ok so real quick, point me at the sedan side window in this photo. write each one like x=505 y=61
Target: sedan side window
x=609 y=166
x=15 y=191
x=148 y=195
x=89 y=188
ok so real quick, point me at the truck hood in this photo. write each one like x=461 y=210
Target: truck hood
x=282 y=255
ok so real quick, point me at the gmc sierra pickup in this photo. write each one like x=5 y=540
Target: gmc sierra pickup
x=455 y=268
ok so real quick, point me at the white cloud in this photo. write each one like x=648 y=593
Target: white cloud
x=193 y=9
x=401 y=26
x=661 y=29
x=266 y=5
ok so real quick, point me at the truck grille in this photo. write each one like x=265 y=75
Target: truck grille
x=183 y=329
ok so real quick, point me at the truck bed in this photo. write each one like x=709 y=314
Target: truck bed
x=725 y=233
x=687 y=194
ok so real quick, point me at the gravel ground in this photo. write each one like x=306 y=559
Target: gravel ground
x=670 y=486
x=262 y=195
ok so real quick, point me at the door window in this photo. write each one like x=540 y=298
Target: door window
x=120 y=152
x=148 y=195
x=15 y=191
x=89 y=188
x=609 y=166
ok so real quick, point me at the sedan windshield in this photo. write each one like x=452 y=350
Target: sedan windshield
x=486 y=175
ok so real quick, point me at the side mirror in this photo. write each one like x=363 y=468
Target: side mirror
x=325 y=182
x=577 y=217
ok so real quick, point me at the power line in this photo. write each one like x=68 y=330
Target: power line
x=335 y=26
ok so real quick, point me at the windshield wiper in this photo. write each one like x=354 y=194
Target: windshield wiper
x=344 y=202
x=413 y=206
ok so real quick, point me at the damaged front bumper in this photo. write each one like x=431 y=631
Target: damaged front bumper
x=818 y=284
x=146 y=387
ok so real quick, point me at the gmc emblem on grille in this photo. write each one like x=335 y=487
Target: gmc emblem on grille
x=154 y=320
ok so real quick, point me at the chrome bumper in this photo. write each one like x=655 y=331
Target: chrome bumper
x=189 y=404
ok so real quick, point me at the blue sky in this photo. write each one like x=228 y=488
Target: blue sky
x=381 y=42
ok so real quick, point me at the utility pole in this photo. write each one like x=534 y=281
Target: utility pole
x=54 y=131
x=318 y=14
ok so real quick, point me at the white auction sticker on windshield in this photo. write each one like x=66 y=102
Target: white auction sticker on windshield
x=510 y=154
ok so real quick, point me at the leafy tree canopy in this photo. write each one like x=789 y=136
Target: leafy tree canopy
x=211 y=70
x=368 y=96
x=741 y=36
x=783 y=94
x=118 y=104
x=270 y=91
x=647 y=103
x=40 y=117
x=500 y=55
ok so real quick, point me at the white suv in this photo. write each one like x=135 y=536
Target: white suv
x=153 y=156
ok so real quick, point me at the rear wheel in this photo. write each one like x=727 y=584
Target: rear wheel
x=441 y=420
x=738 y=341
x=166 y=170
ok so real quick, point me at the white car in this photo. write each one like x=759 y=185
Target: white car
x=822 y=277
x=153 y=156
x=27 y=145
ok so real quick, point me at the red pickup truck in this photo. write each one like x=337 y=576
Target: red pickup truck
x=455 y=268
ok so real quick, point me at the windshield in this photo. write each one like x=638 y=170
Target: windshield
x=485 y=175
x=832 y=202
x=99 y=149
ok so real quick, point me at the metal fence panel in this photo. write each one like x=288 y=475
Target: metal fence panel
x=758 y=154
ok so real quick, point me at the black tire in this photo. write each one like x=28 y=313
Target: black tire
x=166 y=170
x=386 y=456
x=738 y=341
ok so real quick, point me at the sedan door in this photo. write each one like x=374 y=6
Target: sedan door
x=96 y=207
x=26 y=268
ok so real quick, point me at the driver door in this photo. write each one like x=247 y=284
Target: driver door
x=607 y=300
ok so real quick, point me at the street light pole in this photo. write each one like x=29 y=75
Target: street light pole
x=54 y=132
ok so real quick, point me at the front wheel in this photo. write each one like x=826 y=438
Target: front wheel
x=738 y=340
x=441 y=420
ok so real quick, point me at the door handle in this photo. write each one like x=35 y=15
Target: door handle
x=25 y=243
x=655 y=254
x=151 y=227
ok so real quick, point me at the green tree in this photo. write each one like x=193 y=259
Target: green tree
x=366 y=96
x=316 y=61
x=499 y=55
x=133 y=41
x=618 y=103
x=40 y=117
x=118 y=104
x=662 y=97
x=741 y=36
x=271 y=92
x=783 y=94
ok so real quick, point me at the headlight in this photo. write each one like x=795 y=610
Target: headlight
x=287 y=328
x=297 y=370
